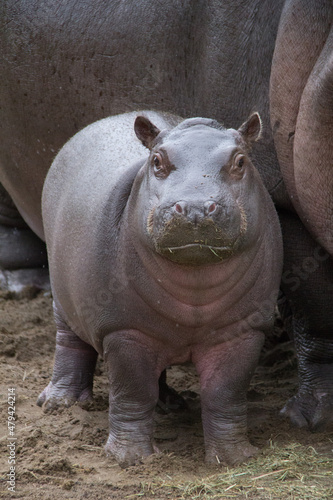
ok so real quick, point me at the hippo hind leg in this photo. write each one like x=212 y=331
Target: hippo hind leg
x=23 y=258
x=169 y=400
x=73 y=370
x=308 y=287
x=312 y=406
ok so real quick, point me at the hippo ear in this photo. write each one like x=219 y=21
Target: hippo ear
x=251 y=129
x=145 y=131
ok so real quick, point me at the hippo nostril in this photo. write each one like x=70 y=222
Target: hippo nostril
x=210 y=207
x=181 y=207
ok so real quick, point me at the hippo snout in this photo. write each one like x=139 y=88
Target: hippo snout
x=195 y=231
x=194 y=213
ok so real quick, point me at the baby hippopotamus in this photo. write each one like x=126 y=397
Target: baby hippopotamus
x=156 y=258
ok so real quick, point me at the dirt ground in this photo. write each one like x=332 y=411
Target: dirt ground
x=61 y=455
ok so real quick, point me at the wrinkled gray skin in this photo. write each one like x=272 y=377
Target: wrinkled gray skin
x=68 y=64
x=156 y=260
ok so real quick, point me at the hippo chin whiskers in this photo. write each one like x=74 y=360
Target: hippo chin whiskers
x=150 y=221
x=243 y=225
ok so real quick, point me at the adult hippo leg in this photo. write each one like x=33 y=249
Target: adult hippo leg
x=313 y=149
x=225 y=372
x=168 y=399
x=308 y=286
x=132 y=367
x=23 y=257
x=73 y=370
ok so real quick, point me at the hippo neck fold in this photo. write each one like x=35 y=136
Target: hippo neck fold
x=196 y=285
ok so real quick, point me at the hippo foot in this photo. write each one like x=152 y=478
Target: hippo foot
x=231 y=454
x=313 y=411
x=73 y=371
x=312 y=407
x=24 y=283
x=54 y=397
x=129 y=452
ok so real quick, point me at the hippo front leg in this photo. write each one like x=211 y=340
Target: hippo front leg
x=225 y=372
x=73 y=371
x=133 y=377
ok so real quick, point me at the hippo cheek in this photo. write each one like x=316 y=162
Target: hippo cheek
x=206 y=242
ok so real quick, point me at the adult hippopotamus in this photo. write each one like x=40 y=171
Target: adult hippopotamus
x=68 y=64
x=160 y=259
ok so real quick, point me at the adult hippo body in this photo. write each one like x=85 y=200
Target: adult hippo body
x=161 y=260
x=66 y=65
x=66 y=68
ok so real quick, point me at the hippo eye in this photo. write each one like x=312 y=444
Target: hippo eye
x=159 y=167
x=239 y=161
x=238 y=164
x=156 y=161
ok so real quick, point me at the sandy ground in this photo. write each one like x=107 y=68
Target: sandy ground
x=61 y=455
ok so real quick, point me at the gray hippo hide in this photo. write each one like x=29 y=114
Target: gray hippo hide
x=23 y=259
x=68 y=64
x=156 y=260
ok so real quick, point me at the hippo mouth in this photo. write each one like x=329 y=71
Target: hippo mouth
x=200 y=245
x=197 y=253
